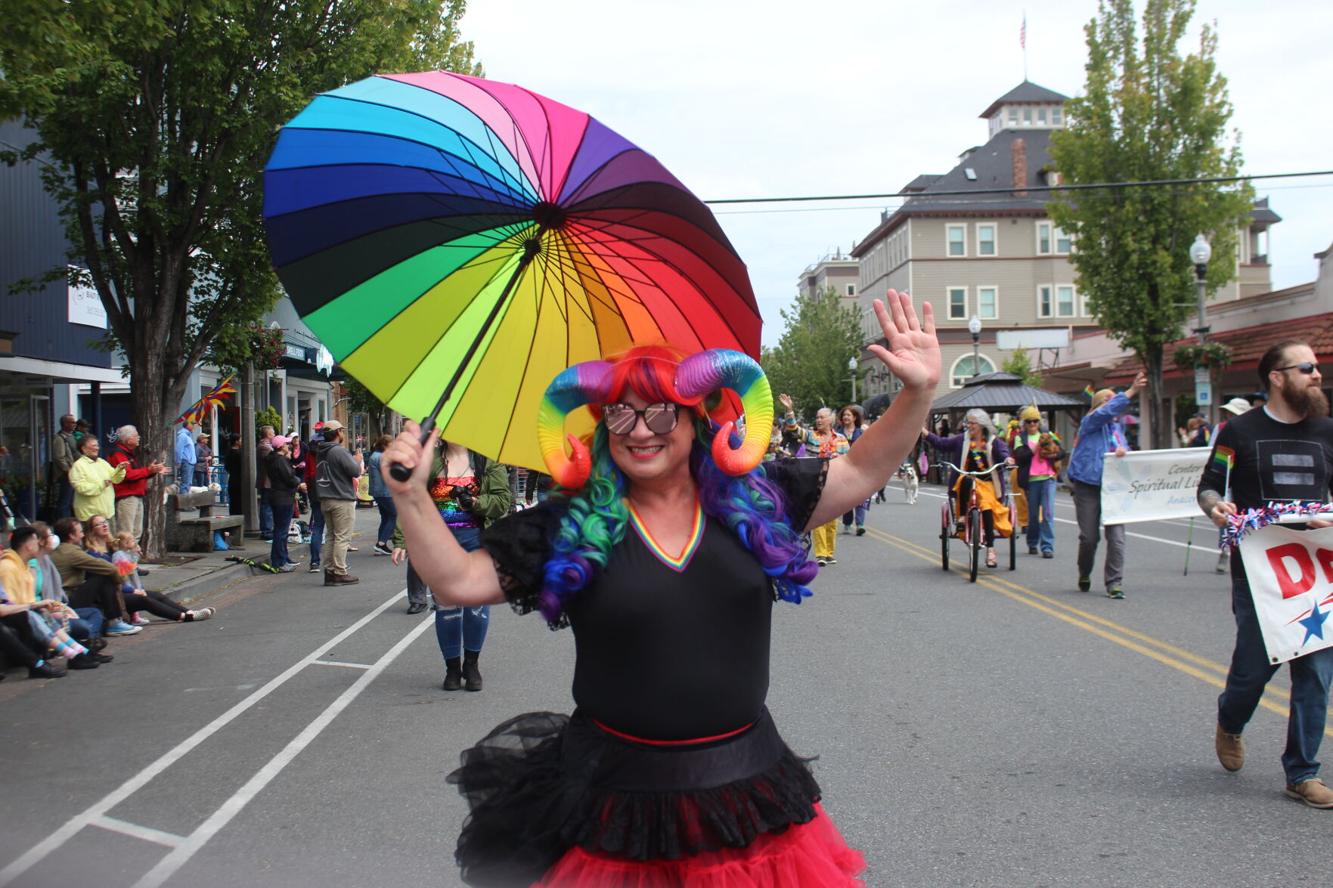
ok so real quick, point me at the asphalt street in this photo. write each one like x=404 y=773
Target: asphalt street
x=1012 y=732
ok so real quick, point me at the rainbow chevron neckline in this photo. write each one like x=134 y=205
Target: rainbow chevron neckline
x=676 y=563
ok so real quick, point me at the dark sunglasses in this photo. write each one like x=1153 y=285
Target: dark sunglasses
x=660 y=418
x=1306 y=367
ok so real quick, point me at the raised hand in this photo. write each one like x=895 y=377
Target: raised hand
x=913 y=353
x=408 y=450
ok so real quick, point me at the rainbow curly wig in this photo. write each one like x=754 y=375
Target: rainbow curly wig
x=733 y=488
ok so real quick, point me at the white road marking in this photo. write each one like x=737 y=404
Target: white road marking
x=134 y=830
x=347 y=665
x=181 y=855
x=71 y=827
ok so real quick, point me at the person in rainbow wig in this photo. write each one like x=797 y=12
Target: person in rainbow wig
x=664 y=548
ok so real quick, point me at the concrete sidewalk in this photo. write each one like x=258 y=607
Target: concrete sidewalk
x=199 y=574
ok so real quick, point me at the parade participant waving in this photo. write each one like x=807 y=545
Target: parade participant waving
x=978 y=449
x=1100 y=433
x=827 y=443
x=1281 y=452
x=665 y=553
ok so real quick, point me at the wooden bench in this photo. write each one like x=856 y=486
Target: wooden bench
x=192 y=520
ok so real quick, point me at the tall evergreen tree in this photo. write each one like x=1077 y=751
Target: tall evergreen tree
x=1149 y=112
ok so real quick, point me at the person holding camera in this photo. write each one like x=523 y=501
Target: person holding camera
x=470 y=492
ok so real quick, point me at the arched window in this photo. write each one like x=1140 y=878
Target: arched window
x=962 y=369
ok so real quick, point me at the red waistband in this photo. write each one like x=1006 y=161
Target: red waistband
x=623 y=736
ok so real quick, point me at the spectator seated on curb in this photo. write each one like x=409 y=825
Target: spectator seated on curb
x=85 y=624
x=123 y=553
x=19 y=645
x=43 y=617
x=89 y=581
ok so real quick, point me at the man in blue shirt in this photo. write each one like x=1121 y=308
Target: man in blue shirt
x=185 y=457
x=1100 y=433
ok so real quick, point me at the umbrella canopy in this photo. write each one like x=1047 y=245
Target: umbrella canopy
x=437 y=230
x=1002 y=391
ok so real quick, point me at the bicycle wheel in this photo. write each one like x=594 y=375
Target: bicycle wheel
x=1013 y=536
x=946 y=528
x=974 y=540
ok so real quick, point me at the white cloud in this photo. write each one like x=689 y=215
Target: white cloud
x=783 y=98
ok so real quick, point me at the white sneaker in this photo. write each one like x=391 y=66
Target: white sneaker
x=204 y=614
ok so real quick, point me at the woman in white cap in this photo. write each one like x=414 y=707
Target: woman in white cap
x=978 y=449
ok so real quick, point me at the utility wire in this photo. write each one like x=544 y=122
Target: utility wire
x=972 y=192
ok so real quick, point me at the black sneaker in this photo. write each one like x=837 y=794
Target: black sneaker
x=103 y=658
x=415 y=607
x=314 y=567
x=82 y=661
x=45 y=669
x=1084 y=584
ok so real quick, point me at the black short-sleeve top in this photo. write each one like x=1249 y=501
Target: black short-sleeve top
x=669 y=645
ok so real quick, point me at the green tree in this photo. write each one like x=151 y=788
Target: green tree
x=820 y=337
x=155 y=118
x=1149 y=112
x=1019 y=364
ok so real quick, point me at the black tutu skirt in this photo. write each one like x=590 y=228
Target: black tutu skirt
x=542 y=784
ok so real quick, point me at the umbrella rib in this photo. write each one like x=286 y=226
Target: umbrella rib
x=419 y=116
x=574 y=198
x=426 y=352
x=576 y=268
x=527 y=360
x=723 y=318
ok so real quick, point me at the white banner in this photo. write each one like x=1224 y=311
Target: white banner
x=1291 y=582
x=1151 y=485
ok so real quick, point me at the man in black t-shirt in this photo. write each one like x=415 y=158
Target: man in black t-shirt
x=1280 y=452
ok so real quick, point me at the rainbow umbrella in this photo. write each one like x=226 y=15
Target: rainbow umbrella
x=445 y=233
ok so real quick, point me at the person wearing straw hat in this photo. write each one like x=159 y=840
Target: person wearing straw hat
x=1038 y=454
x=664 y=547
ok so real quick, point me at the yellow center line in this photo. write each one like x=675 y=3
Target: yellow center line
x=1130 y=639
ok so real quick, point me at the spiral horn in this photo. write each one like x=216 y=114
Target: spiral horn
x=589 y=382
x=717 y=368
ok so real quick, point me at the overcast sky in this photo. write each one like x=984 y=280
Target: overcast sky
x=780 y=98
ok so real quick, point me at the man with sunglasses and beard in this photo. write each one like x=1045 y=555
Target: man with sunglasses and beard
x=1282 y=452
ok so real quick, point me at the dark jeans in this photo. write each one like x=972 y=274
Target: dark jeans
x=388 y=519
x=89 y=624
x=18 y=643
x=316 y=531
x=1251 y=670
x=282 y=524
x=64 y=498
x=265 y=513
x=98 y=591
x=155 y=603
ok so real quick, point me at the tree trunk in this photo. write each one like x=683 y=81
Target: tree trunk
x=1159 y=420
x=155 y=400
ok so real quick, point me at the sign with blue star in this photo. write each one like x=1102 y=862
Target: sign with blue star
x=1291 y=581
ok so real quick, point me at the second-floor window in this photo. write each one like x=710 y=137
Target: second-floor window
x=988 y=303
x=985 y=239
x=957 y=239
x=958 y=303
x=1056 y=301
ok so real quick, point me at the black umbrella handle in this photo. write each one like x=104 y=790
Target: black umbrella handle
x=531 y=247
x=402 y=473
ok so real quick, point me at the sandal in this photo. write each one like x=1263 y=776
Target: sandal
x=991 y=561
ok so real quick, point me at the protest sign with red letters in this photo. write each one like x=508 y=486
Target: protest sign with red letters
x=1291 y=581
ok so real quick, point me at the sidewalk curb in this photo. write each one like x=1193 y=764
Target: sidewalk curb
x=225 y=575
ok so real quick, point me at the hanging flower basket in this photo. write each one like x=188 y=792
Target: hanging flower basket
x=1213 y=355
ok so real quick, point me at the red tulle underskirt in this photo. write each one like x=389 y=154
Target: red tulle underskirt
x=807 y=854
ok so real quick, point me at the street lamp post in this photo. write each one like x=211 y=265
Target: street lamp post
x=1200 y=253
x=974 y=327
x=852 y=364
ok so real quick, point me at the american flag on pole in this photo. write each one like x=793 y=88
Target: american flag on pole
x=1023 y=32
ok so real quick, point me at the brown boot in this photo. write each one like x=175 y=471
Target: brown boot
x=1313 y=792
x=333 y=579
x=1231 y=750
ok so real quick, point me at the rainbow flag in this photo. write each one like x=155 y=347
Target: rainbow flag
x=211 y=399
x=1088 y=390
x=1224 y=457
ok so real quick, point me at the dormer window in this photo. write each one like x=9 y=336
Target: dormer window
x=1041 y=116
x=1013 y=116
x=1056 y=115
x=969 y=174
